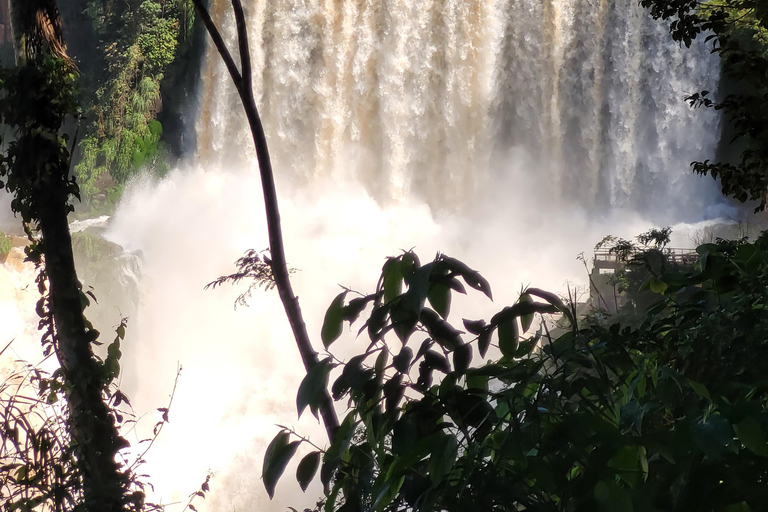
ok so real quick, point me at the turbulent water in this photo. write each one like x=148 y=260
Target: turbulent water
x=512 y=134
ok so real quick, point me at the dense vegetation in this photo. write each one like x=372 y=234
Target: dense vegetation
x=669 y=415
x=125 y=58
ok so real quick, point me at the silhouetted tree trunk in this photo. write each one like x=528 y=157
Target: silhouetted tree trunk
x=43 y=188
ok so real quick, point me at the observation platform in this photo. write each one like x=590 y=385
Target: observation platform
x=606 y=261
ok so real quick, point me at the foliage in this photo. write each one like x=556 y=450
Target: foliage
x=6 y=244
x=252 y=267
x=139 y=40
x=739 y=32
x=668 y=415
x=68 y=458
x=38 y=469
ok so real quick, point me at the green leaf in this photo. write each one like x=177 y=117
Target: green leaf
x=750 y=433
x=508 y=336
x=699 y=389
x=611 y=497
x=477 y=380
x=442 y=459
x=712 y=435
x=392 y=277
x=656 y=285
x=307 y=469
x=440 y=299
x=279 y=453
x=312 y=387
x=334 y=318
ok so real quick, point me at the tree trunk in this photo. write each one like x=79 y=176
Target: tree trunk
x=39 y=171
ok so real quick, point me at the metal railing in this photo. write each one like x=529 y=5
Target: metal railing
x=608 y=258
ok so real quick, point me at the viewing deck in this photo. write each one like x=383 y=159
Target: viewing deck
x=605 y=259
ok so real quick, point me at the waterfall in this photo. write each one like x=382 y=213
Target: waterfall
x=436 y=99
x=513 y=134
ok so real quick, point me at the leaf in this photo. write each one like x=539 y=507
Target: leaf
x=312 y=387
x=555 y=301
x=699 y=389
x=354 y=373
x=462 y=356
x=440 y=299
x=484 y=341
x=393 y=393
x=437 y=361
x=477 y=380
x=334 y=317
x=712 y=435
x=279 y=453
x=508 y=336
x=611 y=497
x=742 y=506
x=351 y=311
x=656 y=285
x=471 y=277
x=307 y=469
x=377 y=321
x=750 y=433
x=440 y=330
x=442 y=459
x=526 y=320
x=392 y=277
x=474 y=326
x=402 y=360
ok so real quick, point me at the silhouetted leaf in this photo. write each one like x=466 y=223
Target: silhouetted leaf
x=437 y=361
x=462 y=356
x=474 y=326
x=312 y=386
x=555 y=301
x=527 y=319
x=334 y=317
x=440 y=330
x=484 y=341
x=402 y=360
x=279 y=453
x=307 y=469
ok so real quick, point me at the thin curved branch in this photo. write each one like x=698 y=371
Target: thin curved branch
x=276 y=247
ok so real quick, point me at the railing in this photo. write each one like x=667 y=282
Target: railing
x=605 y=258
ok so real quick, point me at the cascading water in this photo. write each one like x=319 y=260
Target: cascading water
x=513 y=134
x=433 y=99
